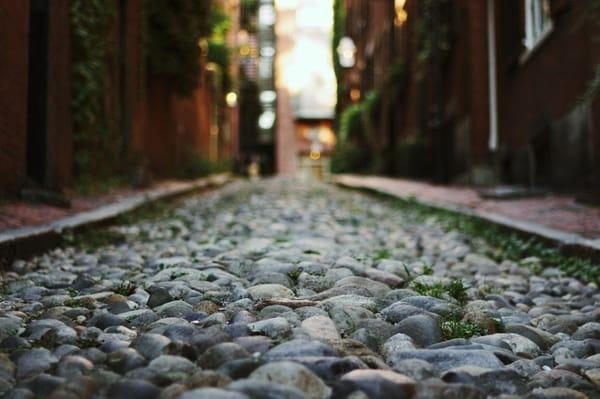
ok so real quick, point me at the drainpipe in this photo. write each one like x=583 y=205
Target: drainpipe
x=493 y=90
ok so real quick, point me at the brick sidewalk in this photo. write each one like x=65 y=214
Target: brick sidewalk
x=557 y=212
x=16 y=214
x=20 y=214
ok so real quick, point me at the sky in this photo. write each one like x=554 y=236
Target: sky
x=305 y=61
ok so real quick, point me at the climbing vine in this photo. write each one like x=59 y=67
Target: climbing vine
x=425 y=36
x=218 y=51
x=174 y=30
x=91 y=21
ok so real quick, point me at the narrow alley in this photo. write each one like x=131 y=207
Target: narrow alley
x=300 y=199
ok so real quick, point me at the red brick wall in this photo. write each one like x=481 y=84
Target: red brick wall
x=551 y=81
x=14 y=28
x=539 y=91
x=477 y=84
x=465 y=84
x=14 y=41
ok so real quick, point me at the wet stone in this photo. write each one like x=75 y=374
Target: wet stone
x=445 y=359
x=241 y=368
x=321 y=328
x=124 y=360
x=258 y=389
x=295 y=348
x=219 y=354
x=518 y=343
x=424 y=330
x=73 y=366
x=395 y=343
x=212 y=393
x=330 y=368
x=416 y=368
x=33 y=362
x=376 y=384
x=173 y=368
x=133 y=389
x=277 y=327
x=174 y=309
x=493 y=382
x=293 y=375
x=150 y=345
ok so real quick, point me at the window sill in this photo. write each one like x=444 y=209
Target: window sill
x=529 y=52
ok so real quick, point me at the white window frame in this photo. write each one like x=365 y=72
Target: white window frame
x=538 y=22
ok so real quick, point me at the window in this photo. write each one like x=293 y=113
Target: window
x=537 y=21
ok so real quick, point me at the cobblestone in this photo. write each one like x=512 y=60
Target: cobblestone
x=285 y=290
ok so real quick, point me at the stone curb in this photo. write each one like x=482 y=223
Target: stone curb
x=27 y=241
x=568 y=243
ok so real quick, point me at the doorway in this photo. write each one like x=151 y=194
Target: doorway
x=37 y=92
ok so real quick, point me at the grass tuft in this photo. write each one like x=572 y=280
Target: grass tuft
x=453 y=328
x=455 y=288
x=504 y=244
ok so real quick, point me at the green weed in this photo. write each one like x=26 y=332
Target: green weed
x=126 y=288
x=90 y=239
x=453 y=328
x=501 y=244
x=428 y=270
x=382 y=254
x=455 y=288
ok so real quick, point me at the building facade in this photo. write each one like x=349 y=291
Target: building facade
x=139 y=124
x=478 y=92
x=35 y=123
x=305 y=89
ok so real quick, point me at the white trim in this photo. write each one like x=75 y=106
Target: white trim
x=528 y=52
x=492 y=76
x=537 y=23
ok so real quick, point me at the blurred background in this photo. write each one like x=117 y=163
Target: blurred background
x=97 y=95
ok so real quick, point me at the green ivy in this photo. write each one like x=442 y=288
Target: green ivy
x=174 y=30
x=218 y=52
x=91 y=21
x=395 y=80
x=356 y=126
x=425 y=32
x=350 y=123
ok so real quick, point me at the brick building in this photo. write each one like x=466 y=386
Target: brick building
x=35 y=127
x=489 y=90
x=145 y=120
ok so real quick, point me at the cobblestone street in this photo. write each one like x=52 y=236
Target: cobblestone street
x=279 y=289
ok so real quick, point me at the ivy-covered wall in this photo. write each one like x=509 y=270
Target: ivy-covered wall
x=95 y=145
x=123 y=55
x=173 y=52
